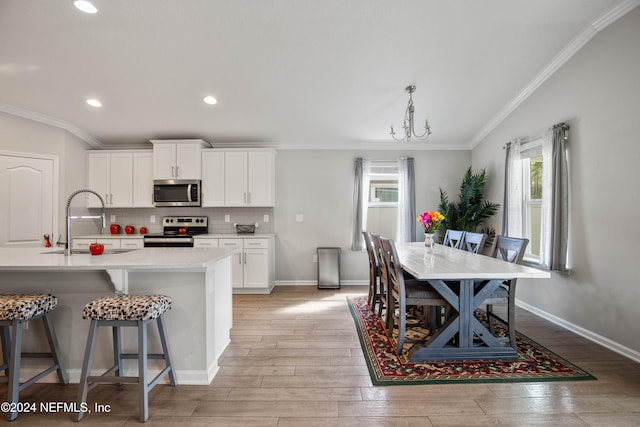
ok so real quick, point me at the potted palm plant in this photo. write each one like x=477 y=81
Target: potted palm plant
x=471 y=211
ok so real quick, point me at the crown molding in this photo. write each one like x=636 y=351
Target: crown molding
x=558 y=61
x=51 y=121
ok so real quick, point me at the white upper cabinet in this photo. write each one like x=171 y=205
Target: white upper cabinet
x=122 y=178
x=212 y=178
x=110 y=174
x=249 y=178
x=177 y=158
x=143 y=179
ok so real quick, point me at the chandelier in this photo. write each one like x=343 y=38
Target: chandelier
x=408 y=121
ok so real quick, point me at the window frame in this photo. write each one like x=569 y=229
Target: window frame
x=530 y=150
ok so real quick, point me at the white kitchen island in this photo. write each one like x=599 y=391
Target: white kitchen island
x=197 y=280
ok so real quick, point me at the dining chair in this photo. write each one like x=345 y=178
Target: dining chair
x=383 y=278
x=473 y=242
x=453 y=238
x=403 y=292
x=374 y=272
x=509 y=249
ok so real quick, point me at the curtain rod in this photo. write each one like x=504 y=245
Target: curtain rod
x=561 y=125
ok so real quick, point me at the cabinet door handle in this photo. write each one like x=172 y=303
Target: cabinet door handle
x=106 y=198
x=249 y=199
x=111 y=198
x=177 y=171
x=173 y=171
x=240 y=259
x=245 y=257
x=245 y=198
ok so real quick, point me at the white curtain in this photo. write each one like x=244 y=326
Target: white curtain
x=547 y=198
x=514 y=193
x=362 y=177
x=406 y=229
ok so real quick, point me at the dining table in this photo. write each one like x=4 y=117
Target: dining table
x=464 y=280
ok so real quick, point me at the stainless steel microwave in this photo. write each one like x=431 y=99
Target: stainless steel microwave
x=176 y=192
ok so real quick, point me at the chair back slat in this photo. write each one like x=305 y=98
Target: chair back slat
x=453 y=238
x=510 y=249
x=473 y=242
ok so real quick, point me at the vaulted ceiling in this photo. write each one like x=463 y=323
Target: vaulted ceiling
x=287 y=73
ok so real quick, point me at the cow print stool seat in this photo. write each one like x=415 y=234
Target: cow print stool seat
x=16 y=310
x=126 y=311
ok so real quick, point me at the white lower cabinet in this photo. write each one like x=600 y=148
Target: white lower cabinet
x=252 y=268
x=205 y=243
x=110 y=243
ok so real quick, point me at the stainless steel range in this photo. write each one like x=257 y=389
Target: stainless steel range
x=177 y=231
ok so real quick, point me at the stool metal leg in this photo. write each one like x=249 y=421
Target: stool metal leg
x=6 y=345
x=83 y=387
x=117 y=349
x=167 y=353
x=14 y=366
x=143 y=385
x=53 y=345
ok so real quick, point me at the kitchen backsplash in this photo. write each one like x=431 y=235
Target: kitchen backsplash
x=140 y=217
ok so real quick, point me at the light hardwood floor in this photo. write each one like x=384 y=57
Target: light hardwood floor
x=295 y=360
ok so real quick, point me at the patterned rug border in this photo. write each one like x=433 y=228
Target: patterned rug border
x=408 y=369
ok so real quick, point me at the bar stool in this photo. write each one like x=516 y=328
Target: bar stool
x=122 y=311
x=15 y=310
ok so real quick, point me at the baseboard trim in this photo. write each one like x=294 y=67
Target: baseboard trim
x=315 y=283
x=591 y=336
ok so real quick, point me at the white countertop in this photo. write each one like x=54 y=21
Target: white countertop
x=235 y=236
x=42 y=259
x=197 y=236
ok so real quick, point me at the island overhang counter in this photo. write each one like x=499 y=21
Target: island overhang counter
x=198 y=281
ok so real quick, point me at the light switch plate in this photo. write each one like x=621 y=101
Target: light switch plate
x=113 y=218
x=266 y=218
x=152 y=219
x=299 y=218
x=227 y=218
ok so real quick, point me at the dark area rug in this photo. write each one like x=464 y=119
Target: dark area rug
x=536 y=363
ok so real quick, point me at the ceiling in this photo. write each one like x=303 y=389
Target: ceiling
x=286 y=73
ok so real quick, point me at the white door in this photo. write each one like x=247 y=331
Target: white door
x=212 y=178
x=256 y=268
x=143 y=180
x=188 y=161
x=235 y=178
x=27 y=205
x=121 y=194
x=260 y=179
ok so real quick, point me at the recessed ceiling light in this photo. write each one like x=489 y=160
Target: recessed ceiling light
x=85 y=6
x=210 y=100
x=94 y=102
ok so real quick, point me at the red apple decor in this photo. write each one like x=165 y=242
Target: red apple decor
x=143 y=230
x=96 y=248
x=115 y=229
x=129 y=229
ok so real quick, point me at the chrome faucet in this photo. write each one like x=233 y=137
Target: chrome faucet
x=67 y=245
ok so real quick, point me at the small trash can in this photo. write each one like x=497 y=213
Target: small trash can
x=328 y=268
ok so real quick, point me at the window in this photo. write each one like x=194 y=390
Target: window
x=532 y=214
x=382 y=209
x=536 y=203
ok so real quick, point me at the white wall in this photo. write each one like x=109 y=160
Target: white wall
x=21 y=135
x=597 y=92
x=319 y=185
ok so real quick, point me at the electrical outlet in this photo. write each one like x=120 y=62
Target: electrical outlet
x=113 y=218
x=315 y=258
x=266 y=218
x=299 y=218
x=227 y=218
x=152 y=219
